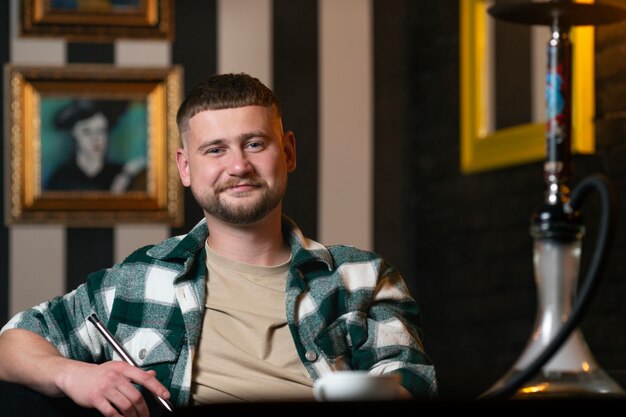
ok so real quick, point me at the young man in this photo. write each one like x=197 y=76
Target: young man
x=244 y=307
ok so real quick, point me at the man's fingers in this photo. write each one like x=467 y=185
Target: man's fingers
x=123 y=396
x=105 y=407
x=119 y=399
x=130 y=401
x=148 y=380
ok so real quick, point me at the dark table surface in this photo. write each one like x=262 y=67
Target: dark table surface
x=16 y=400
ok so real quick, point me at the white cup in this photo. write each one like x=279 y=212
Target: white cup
x=356 y=386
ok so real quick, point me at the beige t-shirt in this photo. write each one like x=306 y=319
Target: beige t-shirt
x=246 y=352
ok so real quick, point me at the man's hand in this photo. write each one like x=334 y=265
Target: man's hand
x=108 y=387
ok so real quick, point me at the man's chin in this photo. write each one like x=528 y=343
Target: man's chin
x=247 y=203
x=240 y=218
x=241 y=213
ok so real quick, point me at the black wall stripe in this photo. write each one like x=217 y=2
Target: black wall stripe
x=295 y=35
x=195 y=48
x=94 y=53
x=87 y=249
x=392 y=184
x=4 y=233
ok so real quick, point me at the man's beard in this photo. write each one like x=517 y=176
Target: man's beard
x=241 y=214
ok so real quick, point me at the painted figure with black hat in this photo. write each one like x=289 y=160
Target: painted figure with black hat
x=88 y=123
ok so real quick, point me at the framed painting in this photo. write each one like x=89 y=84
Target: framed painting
x=487 y=144
x=92 y=145
x=98 y=20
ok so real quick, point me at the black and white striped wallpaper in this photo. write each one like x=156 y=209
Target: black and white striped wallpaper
x=319 y=57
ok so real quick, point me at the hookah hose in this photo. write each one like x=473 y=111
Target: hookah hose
x=605 y=235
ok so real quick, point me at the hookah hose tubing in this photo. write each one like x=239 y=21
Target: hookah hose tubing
x=605 y=235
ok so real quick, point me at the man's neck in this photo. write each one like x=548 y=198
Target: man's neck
x=257 y=244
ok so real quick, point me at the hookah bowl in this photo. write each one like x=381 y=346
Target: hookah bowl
x=557 y=361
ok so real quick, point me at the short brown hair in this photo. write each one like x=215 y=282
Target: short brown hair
x=225 y=91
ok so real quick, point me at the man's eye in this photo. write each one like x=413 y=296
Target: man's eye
x=255 y=146
x=213 y=151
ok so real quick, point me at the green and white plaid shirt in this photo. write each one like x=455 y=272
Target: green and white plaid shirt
x=346 y=309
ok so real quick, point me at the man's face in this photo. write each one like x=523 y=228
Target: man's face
x=236 y=162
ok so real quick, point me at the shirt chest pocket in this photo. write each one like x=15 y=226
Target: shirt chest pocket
x=150 y=347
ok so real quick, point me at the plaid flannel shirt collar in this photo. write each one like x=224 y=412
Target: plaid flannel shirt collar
x=303 y=250
x=183 y=246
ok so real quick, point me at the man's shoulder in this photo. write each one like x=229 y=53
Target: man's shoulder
x=359 y=267
x=140 y=255
x=153 y=253
x=174 y=249
x=346 y=254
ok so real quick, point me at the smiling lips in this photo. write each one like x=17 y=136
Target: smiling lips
x=240 y=187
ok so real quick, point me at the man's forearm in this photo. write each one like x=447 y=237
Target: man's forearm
x=31 y=360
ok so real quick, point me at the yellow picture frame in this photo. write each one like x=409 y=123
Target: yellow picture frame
x=482 y=150
x=34 y=97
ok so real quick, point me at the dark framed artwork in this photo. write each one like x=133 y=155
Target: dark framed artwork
x=98 y=20
x=92 y=145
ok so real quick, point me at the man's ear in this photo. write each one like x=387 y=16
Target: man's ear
x=289 y=147
x=182 y=161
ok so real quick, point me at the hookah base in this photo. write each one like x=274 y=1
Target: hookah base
x=559 y=384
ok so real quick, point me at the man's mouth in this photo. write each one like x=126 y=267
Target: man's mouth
x=240 y=187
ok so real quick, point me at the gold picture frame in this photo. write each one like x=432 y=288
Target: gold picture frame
x=482 y=150
x=92 y=145
x=98 y=21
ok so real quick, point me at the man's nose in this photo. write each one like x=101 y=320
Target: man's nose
x=239 y=163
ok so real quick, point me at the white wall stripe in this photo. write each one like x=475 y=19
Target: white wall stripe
x=133 y=53
x=45 y=51
x=346 y=123
x=244 y=38
x=36 y=265
x=31 y=282
x=128 y=238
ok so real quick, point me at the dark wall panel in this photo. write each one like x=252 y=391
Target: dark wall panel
x=392 y=139
x=93 y=53
x=195 y=49
x=296 y=83
x=87 y=250
x=512 y=75
x=195 y=44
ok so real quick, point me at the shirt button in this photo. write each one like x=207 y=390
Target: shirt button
x=142 y=354
x=310 y=355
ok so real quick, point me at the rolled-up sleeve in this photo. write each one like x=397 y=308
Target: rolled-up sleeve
x=62 y=321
